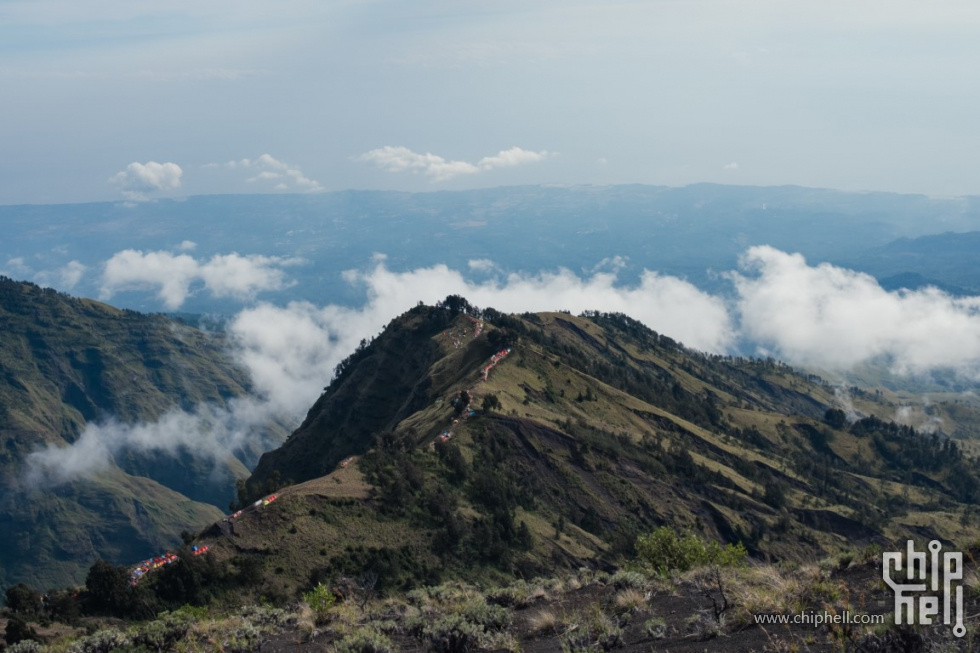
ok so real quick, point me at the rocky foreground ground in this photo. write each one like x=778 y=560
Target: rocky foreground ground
x=705 y=609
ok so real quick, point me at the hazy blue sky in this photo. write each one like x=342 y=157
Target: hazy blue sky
x=431 y=94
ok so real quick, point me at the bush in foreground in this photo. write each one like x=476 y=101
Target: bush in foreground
x=664 y=551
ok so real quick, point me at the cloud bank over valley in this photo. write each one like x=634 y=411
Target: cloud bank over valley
x=176 y=276
x=808 y=315
x=834 y=318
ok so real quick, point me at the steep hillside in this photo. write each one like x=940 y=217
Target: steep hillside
x=374 y=389
x=503 y=444
x=66 y=363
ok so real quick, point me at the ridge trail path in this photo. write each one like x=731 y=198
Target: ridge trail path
x=484 y=374
x=139 y=572
x=141 y=569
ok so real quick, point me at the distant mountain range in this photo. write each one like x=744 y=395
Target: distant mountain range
x=948 y=261
x=694 y=232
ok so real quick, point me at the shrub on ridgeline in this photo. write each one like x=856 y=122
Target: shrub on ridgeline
x=108 y=588
x=490 y=402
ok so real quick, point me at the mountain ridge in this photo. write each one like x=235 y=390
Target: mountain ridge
x=592 y=431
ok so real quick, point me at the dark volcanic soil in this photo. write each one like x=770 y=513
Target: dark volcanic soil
x=859 y=587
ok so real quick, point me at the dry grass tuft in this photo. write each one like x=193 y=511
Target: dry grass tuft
x=554 y=586
x=544 y=622
x=629 y=600
x=306 y=623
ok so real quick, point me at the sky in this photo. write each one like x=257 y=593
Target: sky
x=123 y=100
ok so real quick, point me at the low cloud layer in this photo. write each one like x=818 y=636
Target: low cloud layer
x=141 y=180
x=176 y=276
x=209 y=432
x=836 y=318
x=291 y=351
x=266 y=170
x=806 y=315
x=63 y=278
x=437 y=168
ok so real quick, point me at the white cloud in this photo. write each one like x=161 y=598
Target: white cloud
x=64 y=278
x=233 y=275
x=731 y=166
x=918 y=418
x=223 y=275
x=291 y=351
x=71 y=274
x=667 y=304
x=301 y=181
x=271 y=162
x=271 y=169
x=611 y=263
x=845 y=403
x=481 y=265
x=807 y=315
x=515 y=156
x=17 y=267
x=139 y=179
x=208 y=432
x=832 y=317
x=133 y=270
x=54 y=465
x=402 y=159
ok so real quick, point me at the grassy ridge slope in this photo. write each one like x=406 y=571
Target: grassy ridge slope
x=595 y=429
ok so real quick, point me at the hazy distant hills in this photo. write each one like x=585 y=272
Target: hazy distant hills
x=950 y=261
x=693 y=231
x=67 y=364
x=589 y=431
